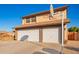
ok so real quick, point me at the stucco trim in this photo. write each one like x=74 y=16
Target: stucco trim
x=40 y=35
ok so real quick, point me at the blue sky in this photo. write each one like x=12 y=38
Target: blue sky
x=10 y=14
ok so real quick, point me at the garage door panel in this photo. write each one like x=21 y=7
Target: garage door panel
x=30 y=35
x=51 y=35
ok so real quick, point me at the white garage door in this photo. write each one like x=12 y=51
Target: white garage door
x=29 y=34
x=51 y=35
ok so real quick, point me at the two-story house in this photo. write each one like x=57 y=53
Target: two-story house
x=41 y=27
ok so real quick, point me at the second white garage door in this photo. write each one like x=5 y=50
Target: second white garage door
x=51 y=35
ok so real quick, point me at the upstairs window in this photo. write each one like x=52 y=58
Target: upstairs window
x=33 y=19
x=28 y=20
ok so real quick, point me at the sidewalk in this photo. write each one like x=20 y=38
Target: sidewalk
x=72 y=47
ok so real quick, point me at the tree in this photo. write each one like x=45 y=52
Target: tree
x=73 y=29
x=78 y=30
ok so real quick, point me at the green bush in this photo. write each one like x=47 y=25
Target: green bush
x=73 y=29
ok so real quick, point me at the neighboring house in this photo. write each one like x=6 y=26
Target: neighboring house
x=41 y=27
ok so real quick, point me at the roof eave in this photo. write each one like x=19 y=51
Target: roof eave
x=41 y=25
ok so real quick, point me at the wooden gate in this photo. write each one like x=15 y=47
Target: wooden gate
x=73 y=35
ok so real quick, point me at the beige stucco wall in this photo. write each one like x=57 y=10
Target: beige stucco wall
x=58 y=16
x=42 y=18
x=45 y=17
x=65 y=33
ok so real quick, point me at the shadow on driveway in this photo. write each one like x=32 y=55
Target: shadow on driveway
x=51 y=51
x=73 y=48
x=48 y=51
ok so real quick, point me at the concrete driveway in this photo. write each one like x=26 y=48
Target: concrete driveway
x=25 y=47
